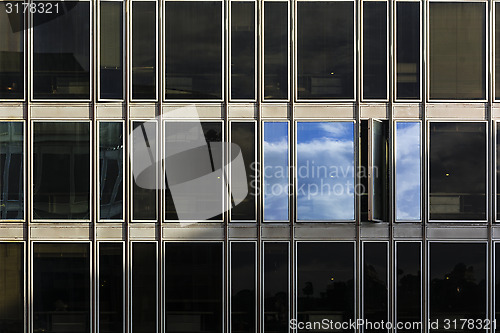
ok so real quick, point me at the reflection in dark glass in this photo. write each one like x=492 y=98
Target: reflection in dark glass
x=497 y=51
x=144 y=149
x=375 y=283
x=380 y=170
x=375 y=50
x=457 y=51
x=363 y=170
x=61 y=170
x=189 y=195
x=111 y=48
x=12 y=52
x=243 y=297
x=11 y=170
x=193 y=287
x=12 y=287
x=457 y=161
x=243 y=50
x=407 y=50
x=408 y=171
x=275 y=50
x=457 y=283
x=144 y=49
x=325 y=282
x=498 y=171
x=144 y=293
x=111 y=170
x=243 y=136
x=61 y=287
x=61 y=52
x=111 y=285
x=276 y=172
x=408 y=284
x=276 y=284
x=193 y=49
x=496 y=283
x=325 y=171
x=325 y=50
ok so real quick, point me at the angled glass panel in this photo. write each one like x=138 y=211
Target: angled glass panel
x=325 y=171
x=243 y=284
x=325 y=282
x=275 y=50
x=12 y=50
x=457 y=175
x=61 y=51
x=379 y=170
x=375 y=49
x=457 y=50
x=408 y=285
x=61 y=170
x=276 y=171
x=61 y=287
x=325 y=49
x=243 y=50
x=457 y=285
x=111 y=170
x=111 y=50
x=144 y=288
x=375 y=284
x=144 y=50
x=193 y=49
x=407 y=50
x=408 y=187
x=111 y=288
x=194 y=287
x=11 y=171
x=12 y=286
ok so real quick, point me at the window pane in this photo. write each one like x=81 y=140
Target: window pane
x=111 y=170
x=144 y=169
x=325 y=171
x=457 y=50
x=497 y=51
x=407 y=50
x=408 y=171
x=193 y=287
x=61 y=287
x=276 y=287
x=144 y=49
x=275 y=50
x=498 y=171
x=11 y=170
x=243 y=137
x=496 y=282
x=276 y=172
x=193 y=168
x=325 y=282
x=380 y=170
x=325 y=50
x=144 y=291
x=457 y=286
x=375 y=283
x=408 y=285
x=193 y=49
x=375 y=50
x=243 y=298
x=457 y=162
x=12 y=284
x=111 y=283
x=243 y=50
x=61 y=52
x=11 y=52
x=111 y=57
x=61 y=170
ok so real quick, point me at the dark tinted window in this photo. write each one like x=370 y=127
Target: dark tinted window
x=243 y=297
x=61 y=52
x=497 y=281
x=111 y=48
x=325 y=50
x=379 y=170
x=457 y=162
x=144 y=291
x=498 y=171
x=61 y=170
x=111 y=284
x=11 y=170
x=61 y=287
x=408 y=284
x=193 y=287
x=12 y=286
x=497 y=51
x=375 y=283
x=193 y=49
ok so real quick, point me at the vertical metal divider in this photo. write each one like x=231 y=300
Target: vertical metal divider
x=160 y=174
x=127 y=163
x=95 y=37
x=357 y=115
x=423 y=171
x=27 y=166
x=226 y=159
x=491 y=152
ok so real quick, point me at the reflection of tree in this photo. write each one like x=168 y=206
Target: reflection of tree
x=243 y=308
x=375 y=295
x=276 y=312
x=408 y=294
x=337 y=296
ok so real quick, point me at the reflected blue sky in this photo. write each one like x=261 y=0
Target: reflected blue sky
x=408 y=171
x=325 y=171
x=275 y=171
